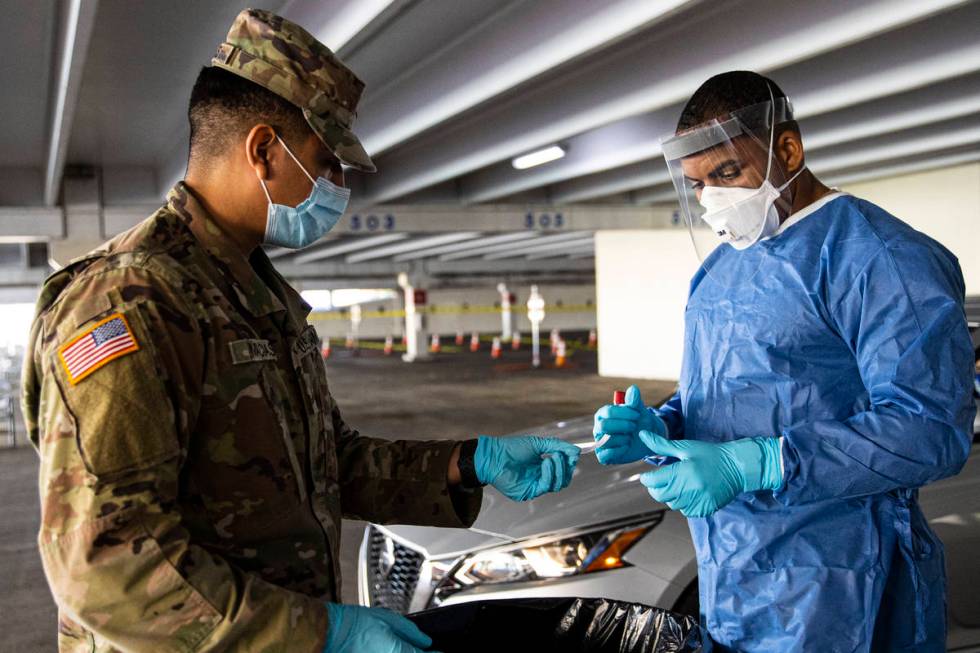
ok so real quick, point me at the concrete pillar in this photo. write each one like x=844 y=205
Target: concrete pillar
x=642 y=278
x=355 y=324
x=83 y=218
x=506 y=316
x=416 y=336
x=535 y=314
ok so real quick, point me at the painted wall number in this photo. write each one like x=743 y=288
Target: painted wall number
x=371 y=222
x=544 y=220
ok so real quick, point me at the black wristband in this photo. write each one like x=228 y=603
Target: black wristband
x=467 y=465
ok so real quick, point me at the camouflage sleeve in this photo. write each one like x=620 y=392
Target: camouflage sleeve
x=112 y=442
x=399 y=481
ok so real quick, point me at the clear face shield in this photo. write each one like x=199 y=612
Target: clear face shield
x=729 y=183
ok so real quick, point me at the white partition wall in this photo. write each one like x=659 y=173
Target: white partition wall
x=943 y=203
x=642 y=279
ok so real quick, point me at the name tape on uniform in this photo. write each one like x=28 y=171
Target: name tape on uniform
x=251 y=350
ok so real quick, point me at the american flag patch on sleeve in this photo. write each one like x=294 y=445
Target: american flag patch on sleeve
x=105 y=341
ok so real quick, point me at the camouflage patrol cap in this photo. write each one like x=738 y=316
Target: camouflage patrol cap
x=286 y=59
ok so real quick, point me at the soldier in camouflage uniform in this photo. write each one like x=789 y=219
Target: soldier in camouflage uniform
x=194 y=466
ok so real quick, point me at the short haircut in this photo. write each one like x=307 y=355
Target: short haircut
x=224 y=107
x=727 y=92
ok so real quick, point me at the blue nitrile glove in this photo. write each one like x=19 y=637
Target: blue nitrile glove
x=354 y=629
x=623 y=424
x=515 y=466
x=708 y=475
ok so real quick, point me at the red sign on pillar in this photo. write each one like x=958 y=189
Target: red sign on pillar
x=421 y=298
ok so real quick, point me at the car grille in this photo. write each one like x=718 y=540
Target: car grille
x=392 y=572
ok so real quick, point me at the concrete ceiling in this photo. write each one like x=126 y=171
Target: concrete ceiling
x=27 y=37
x=457 y=89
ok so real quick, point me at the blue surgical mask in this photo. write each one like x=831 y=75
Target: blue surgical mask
x=303 y=225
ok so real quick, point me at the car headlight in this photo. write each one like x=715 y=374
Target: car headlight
x=597 y=549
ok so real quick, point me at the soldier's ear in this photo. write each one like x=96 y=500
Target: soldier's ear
x=258 y=143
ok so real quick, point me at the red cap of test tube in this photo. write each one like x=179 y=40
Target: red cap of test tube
x=619 y=397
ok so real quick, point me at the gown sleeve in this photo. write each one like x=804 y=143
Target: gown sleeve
x=672 y=416
x=903 y=319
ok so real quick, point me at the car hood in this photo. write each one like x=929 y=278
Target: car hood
x=600 y=494
x=597 y=494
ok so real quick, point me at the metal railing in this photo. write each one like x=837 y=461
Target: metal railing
x=10 y=366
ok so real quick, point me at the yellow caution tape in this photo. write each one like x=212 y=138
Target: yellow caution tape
x=445 y=310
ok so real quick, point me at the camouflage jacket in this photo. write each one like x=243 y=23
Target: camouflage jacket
x=194 y=467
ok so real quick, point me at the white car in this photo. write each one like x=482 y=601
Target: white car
x=605 y=537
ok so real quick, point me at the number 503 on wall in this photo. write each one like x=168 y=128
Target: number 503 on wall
x=371 y=222
x=543 y=220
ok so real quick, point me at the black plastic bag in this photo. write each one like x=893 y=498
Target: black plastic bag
x=560 y=624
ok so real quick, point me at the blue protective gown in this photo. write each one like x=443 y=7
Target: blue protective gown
x=845 y=334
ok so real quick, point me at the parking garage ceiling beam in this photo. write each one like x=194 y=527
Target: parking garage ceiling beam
x=543 y=245
x=469 y=244
x=824 y=136
x=910 y=145
x=586 y=248
x=412 y=245
x=31 y=223
x=480 y=266
x=336 y=22
x=519 y=43
x=427 y=218
x=912 y=69
x=351 y=245
x=18 y=277
x=77 y=25
x=542 y=241
x=651 y=74
x=442 y=268
x=869 y=155
x=920 y=164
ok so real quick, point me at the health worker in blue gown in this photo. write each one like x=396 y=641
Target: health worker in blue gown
x=827 y=375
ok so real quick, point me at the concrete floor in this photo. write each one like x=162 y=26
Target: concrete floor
x=454 y=396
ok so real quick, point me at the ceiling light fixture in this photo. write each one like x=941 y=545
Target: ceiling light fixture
x=536 y=158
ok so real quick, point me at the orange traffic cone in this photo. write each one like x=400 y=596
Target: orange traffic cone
x=475 y=342
x=434 y=347
x=326 y=349
x=515 y=341
x=560 y=354
x=349 y=343
x=459 y=338
x=555 y=338
x=404 y=339
x=592 y=339
x=389 y=345
x=495 y=348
